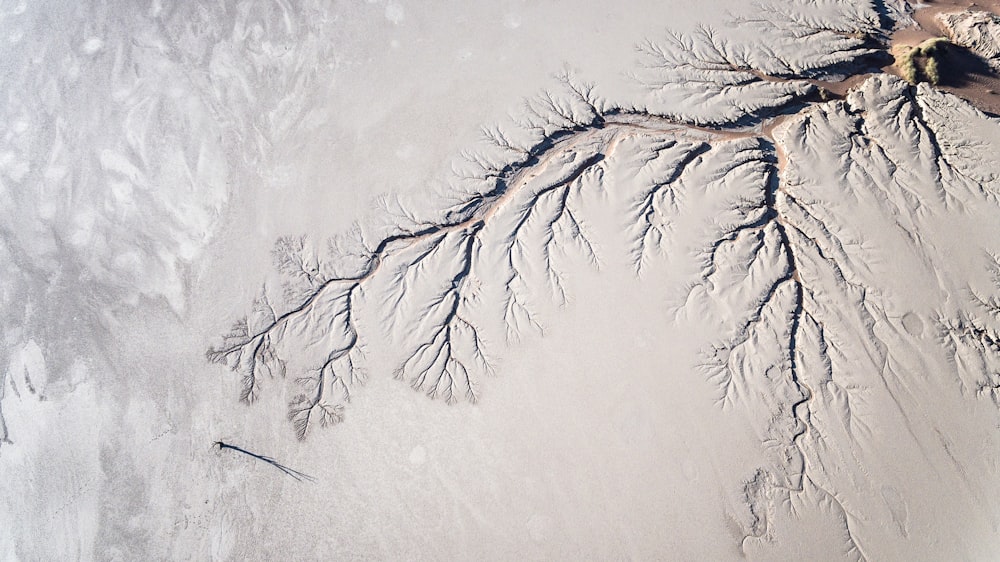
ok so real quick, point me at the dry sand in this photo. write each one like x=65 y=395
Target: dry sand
x=678 y=303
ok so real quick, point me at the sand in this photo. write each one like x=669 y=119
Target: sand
x=494 y=282
x=967 y=77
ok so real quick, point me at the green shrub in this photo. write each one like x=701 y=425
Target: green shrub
x=931 y=71
x=933 y=46
x=923 y=62
x=908 y=65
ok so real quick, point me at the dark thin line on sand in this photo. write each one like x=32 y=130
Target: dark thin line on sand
x=300 y=476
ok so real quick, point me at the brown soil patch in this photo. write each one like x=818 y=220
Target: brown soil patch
x=962 y=72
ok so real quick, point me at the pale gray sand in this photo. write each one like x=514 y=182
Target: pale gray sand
x=737 y=299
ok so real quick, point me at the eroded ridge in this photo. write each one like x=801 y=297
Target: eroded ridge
x=781 y=218
x=430 y=282
x=431 y=275
x=429 y=278
x=973 y=339
x=516 y=210
x=879 y=165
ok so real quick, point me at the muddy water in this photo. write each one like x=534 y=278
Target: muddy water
x=970 y=79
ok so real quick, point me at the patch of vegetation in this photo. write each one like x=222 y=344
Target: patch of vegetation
x=932 y=72
x=934 y=46
x=923 y=62
x=907 y=65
